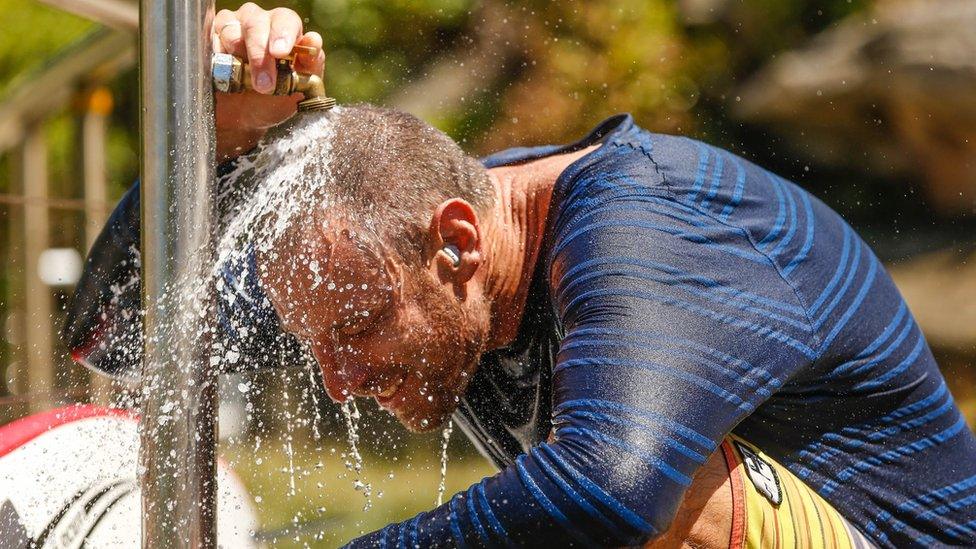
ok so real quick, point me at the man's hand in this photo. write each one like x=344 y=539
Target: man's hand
x=260 y=37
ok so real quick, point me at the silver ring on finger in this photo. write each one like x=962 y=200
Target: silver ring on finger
x=235 y=22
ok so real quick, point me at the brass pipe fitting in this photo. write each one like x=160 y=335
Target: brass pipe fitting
x=232 y=75
x=312 y=86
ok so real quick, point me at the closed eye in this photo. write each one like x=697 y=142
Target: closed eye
x=364 y=326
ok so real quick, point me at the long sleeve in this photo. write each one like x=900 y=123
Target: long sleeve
x=676 y=328
x=103 y=327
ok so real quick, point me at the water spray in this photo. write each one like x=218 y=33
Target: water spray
x=233 y=75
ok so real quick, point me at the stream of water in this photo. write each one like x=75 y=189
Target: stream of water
x=445 y=440
x=354 y=460
x=267 y=192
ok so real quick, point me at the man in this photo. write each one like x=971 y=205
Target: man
x=612 y=322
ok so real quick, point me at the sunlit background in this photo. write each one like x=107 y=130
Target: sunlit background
x=868 y=105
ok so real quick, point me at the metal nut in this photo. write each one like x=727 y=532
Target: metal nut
x=226 y=71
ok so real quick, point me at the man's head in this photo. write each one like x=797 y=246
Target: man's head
x=383 y=279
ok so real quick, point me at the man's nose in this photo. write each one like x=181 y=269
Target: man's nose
x=332 y=378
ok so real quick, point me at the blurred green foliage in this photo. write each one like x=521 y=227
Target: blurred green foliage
x=577 y=61
x=325 y=509
x=33 y=33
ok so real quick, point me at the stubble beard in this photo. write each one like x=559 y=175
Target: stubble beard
x=462 y=333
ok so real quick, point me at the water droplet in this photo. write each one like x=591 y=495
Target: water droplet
x=445 y=440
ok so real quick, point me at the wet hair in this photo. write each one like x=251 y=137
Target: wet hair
x=390 y=171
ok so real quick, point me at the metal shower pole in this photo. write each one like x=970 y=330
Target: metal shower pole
x=178 y=437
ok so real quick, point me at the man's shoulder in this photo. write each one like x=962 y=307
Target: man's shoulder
x=713 y=189
x=695 y=173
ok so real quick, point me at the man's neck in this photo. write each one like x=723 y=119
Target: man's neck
x=514 y=233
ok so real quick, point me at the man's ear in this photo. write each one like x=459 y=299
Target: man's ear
x=456 y=238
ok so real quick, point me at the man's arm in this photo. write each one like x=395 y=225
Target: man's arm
x=676 y=329
x=103 y=325
x=707 y=514
x=260 y=37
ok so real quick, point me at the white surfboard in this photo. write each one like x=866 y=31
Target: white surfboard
x=68 y=481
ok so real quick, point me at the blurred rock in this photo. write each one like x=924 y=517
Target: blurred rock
x=939 y=288
x=890 y=91
x=702 y=12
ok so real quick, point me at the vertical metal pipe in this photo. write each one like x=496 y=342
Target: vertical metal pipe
x=95 y=104
x=13 y=304
x=178 y=436
x=37 y=295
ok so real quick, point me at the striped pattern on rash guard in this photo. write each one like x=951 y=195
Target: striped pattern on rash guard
x=697 y=295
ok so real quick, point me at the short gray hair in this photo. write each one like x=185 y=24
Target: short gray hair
x=390 y=170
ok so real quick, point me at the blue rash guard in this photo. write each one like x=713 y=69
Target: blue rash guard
x=682 y=294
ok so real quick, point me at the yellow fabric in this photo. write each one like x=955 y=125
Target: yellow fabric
x=802 y=519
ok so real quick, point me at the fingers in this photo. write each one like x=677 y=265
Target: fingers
x=262 y=37
x=311 y=65
x=286 y=28
x=256 y=25
x=227 y=29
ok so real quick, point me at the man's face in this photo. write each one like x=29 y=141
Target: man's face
x=376 y=327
